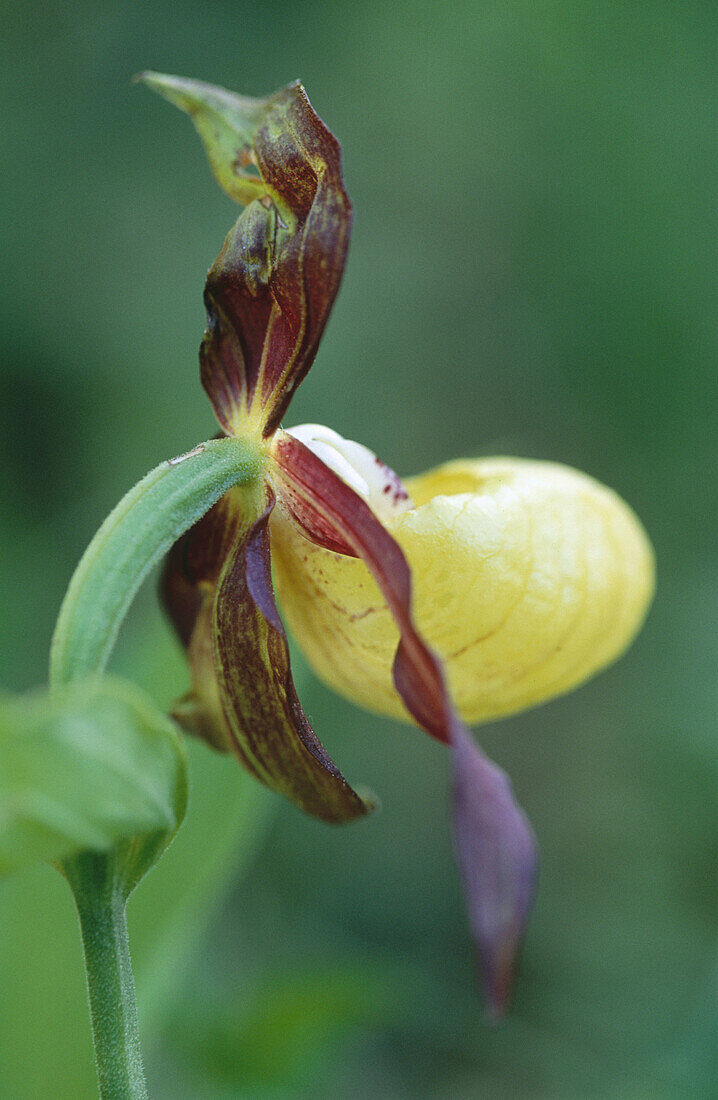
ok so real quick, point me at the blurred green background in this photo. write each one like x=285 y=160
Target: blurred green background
x=532 y=272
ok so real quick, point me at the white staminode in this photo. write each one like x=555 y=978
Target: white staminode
x=359 y=467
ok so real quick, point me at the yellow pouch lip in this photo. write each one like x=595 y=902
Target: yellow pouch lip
x=468 y=541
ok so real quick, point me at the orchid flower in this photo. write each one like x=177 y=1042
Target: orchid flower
x=495 y=583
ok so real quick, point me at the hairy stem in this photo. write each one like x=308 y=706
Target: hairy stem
x=100 y=905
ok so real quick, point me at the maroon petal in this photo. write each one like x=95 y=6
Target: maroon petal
x=218 y=589
x=495 y=845
x=270 y=291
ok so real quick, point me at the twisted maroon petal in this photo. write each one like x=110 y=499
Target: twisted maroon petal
x=332 y=515
x=495 y=846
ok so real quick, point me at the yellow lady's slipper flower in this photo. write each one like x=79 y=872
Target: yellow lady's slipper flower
x=527 y=577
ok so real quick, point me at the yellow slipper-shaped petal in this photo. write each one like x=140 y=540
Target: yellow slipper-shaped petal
x=529 y=577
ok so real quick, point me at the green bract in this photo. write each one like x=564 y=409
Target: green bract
x=133 y=538
x=88 y=767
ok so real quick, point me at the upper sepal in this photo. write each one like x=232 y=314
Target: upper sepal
x=269 y=293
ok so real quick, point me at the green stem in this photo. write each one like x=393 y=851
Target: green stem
x=110 y=986
x=133 y=538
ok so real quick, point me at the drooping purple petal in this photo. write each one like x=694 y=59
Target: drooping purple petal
x=495 y=846
x=498 y=857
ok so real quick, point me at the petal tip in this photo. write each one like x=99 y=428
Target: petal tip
x=497 y=855
x=497 y=969
x=371 y=801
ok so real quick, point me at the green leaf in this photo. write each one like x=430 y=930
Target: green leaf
x=89 y=767
x=133 y=538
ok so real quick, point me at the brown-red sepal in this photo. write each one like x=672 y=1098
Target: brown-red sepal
x=270 y=291
x=495 y=846
x=218 y=590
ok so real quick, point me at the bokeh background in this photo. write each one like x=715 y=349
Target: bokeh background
x=532 y=272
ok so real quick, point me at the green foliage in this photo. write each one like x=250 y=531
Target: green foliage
x=88 y=767
x=279 y=1032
